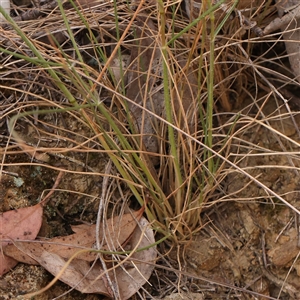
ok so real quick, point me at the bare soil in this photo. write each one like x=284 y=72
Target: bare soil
x=246 y=249
x=248 y=245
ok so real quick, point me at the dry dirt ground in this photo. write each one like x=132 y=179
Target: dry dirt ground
x=247 y=247
x=250 y=243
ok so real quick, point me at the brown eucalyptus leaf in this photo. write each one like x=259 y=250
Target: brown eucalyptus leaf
x=86 y=279
x=23 y=223
x=64 y=246
x=138 y=272
x=17 y=252
x=78 y=274
x=132 y=275
x=117 y=232
x=6 y=263
x=81 y=227
x=67 y=246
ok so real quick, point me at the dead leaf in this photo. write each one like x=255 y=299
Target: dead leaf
x=117 y=231
x=139 y=271
x=78 y=274
x=23 y=223
x=6 y=263
x=120 y=229
x=143 y=76
x=129 y=277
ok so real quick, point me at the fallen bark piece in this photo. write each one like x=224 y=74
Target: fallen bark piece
x=289 y=23
x=284 y=20
x=291 y=34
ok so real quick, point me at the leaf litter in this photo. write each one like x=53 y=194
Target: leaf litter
x=84 y=271
x=23 y=223
x=83 y=238
x=86 y=278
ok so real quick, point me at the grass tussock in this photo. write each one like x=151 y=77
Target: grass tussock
x=141 y=84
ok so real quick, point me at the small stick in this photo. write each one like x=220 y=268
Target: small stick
x=56 y=183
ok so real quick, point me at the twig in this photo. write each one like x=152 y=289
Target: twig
x=10 y=173
x=111 y=286
x=56 y=183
